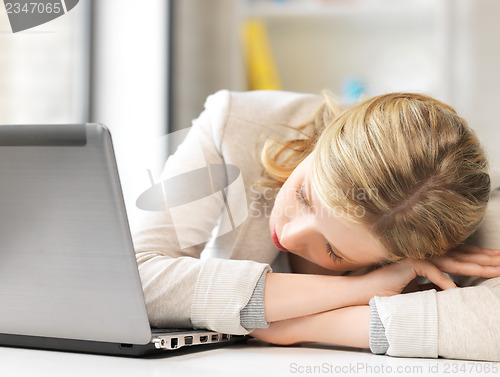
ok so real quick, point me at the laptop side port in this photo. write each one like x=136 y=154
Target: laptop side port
x=174 y=342
x=168 y=343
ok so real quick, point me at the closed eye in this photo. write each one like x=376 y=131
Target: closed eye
x=331 y=253
x=299 y=193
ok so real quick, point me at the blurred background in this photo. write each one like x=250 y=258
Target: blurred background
x=144 y=68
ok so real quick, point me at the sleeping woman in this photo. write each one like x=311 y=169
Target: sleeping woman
x=345 y=210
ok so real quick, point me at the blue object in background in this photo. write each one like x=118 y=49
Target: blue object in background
x=352 y=90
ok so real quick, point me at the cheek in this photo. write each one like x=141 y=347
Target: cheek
x=277 y=210
x=283 y=203
x=324 y=260
x=347 y=266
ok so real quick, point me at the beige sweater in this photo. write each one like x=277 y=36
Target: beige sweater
x=191 y=277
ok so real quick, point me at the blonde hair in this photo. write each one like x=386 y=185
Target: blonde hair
x=280 y=157
x=403 y=165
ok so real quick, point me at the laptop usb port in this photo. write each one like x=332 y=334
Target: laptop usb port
x=215 y=338
x=188 y=340
x=225 y=337
x=204 y=339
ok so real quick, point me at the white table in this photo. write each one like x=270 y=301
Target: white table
x=250 y=359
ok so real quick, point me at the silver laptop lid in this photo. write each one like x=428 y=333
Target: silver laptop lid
x=67 y=265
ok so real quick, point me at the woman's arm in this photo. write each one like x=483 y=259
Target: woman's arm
x=455 y=323
x=347 y=327
x=458 y=323
x=289 y=296
x=462 y=323
x=468 y=322
x=340 y=317
x=180 y=289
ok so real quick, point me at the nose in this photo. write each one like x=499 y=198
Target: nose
x=297 y=233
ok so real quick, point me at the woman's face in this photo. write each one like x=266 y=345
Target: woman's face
x=302 y=225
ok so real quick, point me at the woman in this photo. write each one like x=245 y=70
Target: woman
x=398 y=177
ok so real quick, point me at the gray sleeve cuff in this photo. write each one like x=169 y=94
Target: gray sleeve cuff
x=378 y=341
x=252 y=316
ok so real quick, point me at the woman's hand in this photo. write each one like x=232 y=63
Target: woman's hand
x=392 y=279
x=470 y=260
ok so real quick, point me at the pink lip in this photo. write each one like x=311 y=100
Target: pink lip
x=274 y=237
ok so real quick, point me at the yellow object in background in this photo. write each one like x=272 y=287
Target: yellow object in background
x=261 y=67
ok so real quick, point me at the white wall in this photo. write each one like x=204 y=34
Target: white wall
x=476 y=84
x=44 y=70
x=129 y=87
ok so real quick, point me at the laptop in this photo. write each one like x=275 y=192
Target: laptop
x=68 y=274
